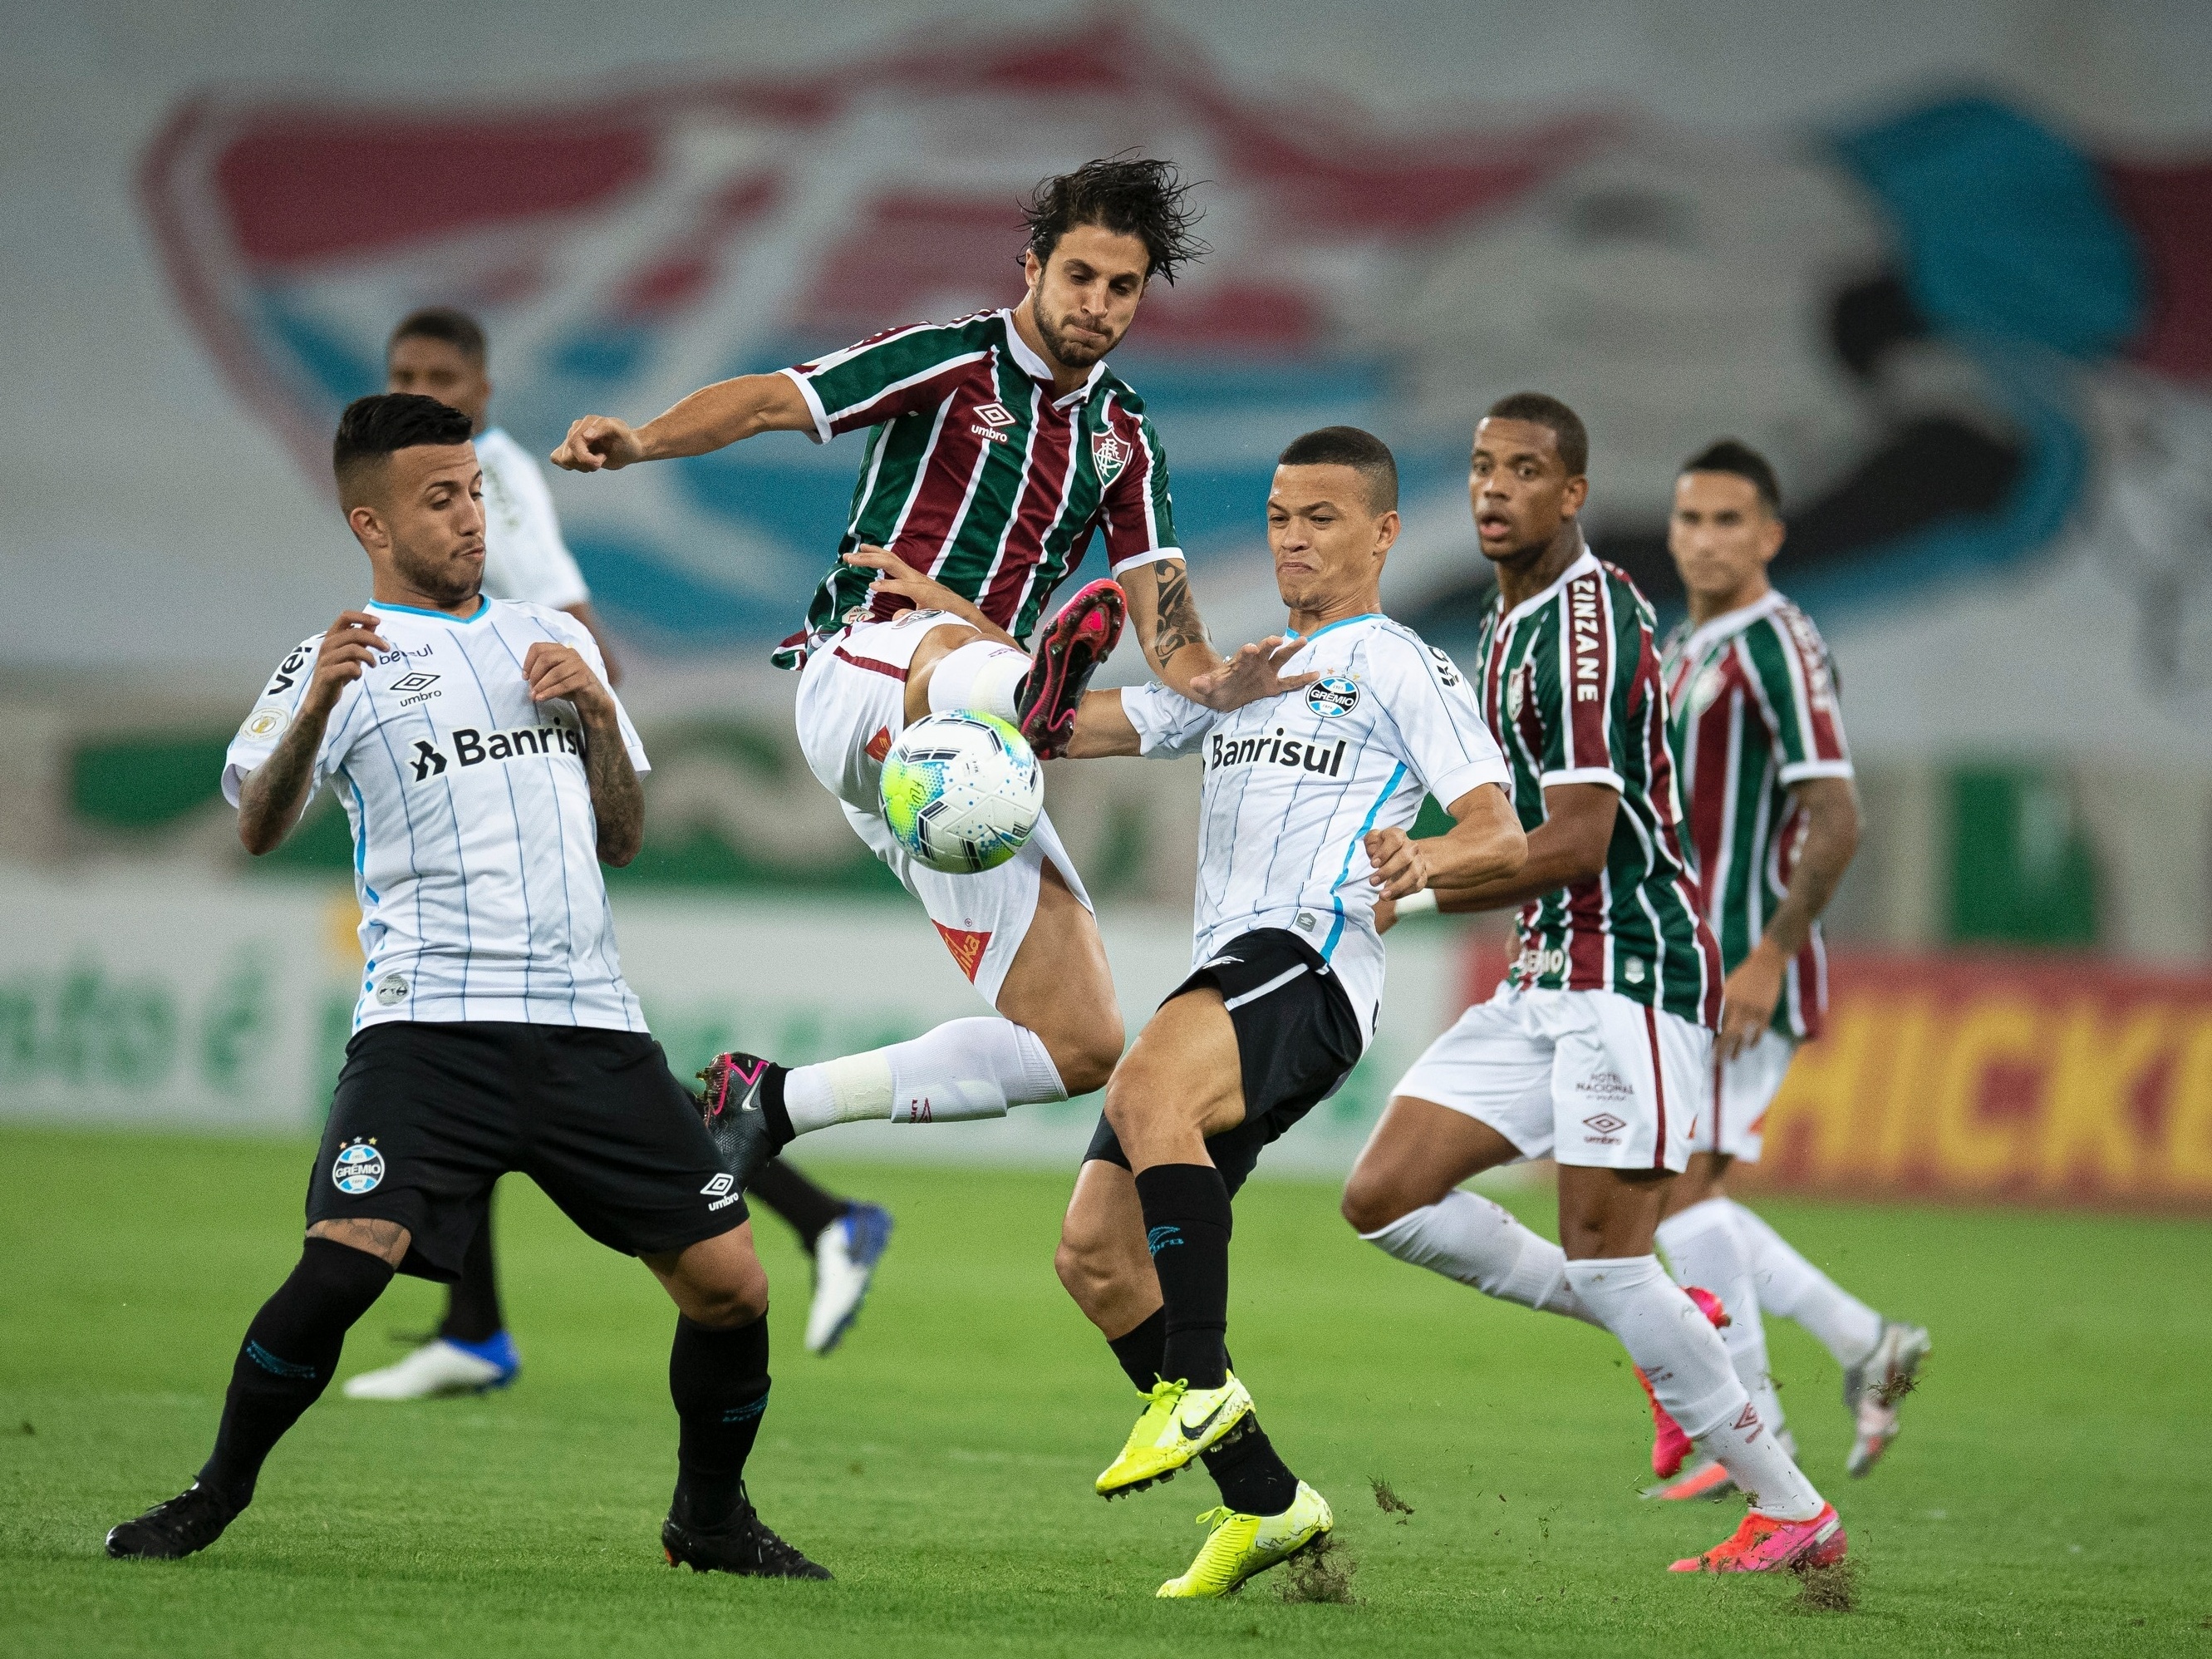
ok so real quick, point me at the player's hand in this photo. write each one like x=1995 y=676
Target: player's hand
x=349 y=646
x=560 y=671
x=902 y=580
x=1750 y=996
x=1252 y=673
x=598 y=443
x=1386 y=915
x=1400 y=864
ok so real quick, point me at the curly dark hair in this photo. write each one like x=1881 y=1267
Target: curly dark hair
x=1132 y=196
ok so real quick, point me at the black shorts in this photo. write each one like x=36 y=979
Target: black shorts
x=427 y=1116
x=1296 y=1041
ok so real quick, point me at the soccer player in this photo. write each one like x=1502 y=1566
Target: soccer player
x=1308 y=797
x=997 y=444
x=487 y=770
x=1596 y=1050
x=442 y=353
x=1774 y=820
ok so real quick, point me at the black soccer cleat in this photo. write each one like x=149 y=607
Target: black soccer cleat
x=742 y=1544
x=736 y=1119
x=1078 y=639
x=184 y=1525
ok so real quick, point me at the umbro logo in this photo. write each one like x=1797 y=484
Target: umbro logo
x=995 y=414
x=1605 y=1123
x=719 y=1185
x=415 y=682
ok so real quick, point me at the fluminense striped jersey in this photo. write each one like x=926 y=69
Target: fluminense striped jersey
x=1753 y=701
x=976 y=475
x=1570 y=685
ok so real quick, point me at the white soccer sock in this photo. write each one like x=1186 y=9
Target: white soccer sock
x=965 y=1068
x=981 y=674
x=1790 y=1287
x=1704 y=1249
x=1478 y=1242
x=1688 y=1369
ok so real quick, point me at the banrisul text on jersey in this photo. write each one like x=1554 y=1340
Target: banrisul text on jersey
x=1570 y=684
x=1753 y=697
x=977 y=474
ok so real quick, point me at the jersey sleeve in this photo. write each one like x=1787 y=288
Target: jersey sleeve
x=568 y=631
x=1440 y=726
x=1588 y=737
x=884 y=376
x=1169 y=725
x=530 y=560
x=271 y=717
x=1797 y=698
x=1134 y=508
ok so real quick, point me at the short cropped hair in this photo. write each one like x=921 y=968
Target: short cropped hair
x=1538 y=409
x=373 y=429
x=455 y=328
x=1347 y=446
x=1735 y=456
x=1128 y=195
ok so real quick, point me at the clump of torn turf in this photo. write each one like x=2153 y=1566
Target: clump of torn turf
x=1320 y=1572
x=1828 y=1589
x=1895 y=1388
x=1387 y=1500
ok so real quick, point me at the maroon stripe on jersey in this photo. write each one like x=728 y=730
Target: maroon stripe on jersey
x=1709 y=766
x=1052 y=450
x=870 y=665
x=1813 y=669
x=1588 y=923
x=1123 y=503
x=1587 y=675
x=898 y=400
x=933 y=515
x=1658 y=1085
x=1720 y=1068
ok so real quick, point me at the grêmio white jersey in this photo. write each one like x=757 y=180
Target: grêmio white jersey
x=524 y=557
x=1294 y=783
x=476 y=851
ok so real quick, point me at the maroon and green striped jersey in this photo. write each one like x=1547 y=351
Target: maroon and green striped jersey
x=1754 y=700
x=977 y=474
x=1571 y=686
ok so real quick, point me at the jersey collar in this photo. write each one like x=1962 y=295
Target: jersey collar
x=1583 y=565
x=1341 y=622
x=483 y=609
x=1037 y=369
x=1732 y=622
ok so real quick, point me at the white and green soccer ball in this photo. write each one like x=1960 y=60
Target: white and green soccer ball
x=961 y=791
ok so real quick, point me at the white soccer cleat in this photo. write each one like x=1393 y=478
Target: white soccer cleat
x=845 y=1258
x=1875 y=1387
x=440 y=1367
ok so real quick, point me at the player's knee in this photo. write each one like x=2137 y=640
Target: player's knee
x=1371 y=1202
x=735 y=1294
x=1086 y=1058
x=1087 y=1263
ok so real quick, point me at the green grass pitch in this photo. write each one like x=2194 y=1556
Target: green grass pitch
x=2052 y=1491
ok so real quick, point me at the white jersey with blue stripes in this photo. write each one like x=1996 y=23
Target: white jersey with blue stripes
x=475 y=850
x=1294 y=783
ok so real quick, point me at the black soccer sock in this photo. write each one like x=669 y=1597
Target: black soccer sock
x=472 y=1312
x=1187 y=1223
x=291 y=1350
x=719 y=1381
x=806 y=1206
x=1142 y=1350
x=1252 y=1475
x=772 y=1107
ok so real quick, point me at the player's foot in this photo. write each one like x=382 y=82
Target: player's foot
x=742 y=1544
x=1076 y=641
x=1875 y=1388
x=1241 y=1544
x=442 y=1365
x=1703 y=1479
x=845 y=1258
x=184 y=1525
x=729 y=1102
x=1178 y=1423
x=1763 y=1544
x=1670 y=1447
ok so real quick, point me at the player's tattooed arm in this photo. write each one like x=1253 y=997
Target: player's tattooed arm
x=1177 y=648
x=275 y=793
x=1830 y=807
x=1176 y=620
x=618 y=798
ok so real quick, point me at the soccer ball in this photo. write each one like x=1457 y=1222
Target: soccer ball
x=961 y=791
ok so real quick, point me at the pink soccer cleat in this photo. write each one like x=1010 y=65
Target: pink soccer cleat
x=1763 y=1544
x=1078 y=640
x=1705 y=1478
x=1670 y=1447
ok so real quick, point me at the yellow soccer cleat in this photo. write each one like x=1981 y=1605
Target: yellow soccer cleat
x=1241 y=1544
x=1179 y=1422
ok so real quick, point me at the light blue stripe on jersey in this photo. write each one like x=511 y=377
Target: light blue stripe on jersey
x=1336 y=931
x=1347 y=622
x=483 y=609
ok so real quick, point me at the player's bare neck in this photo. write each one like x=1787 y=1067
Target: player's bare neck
x=1317 y=613
x=1522 y=576
x=1704 y=606
x=1064 y=379
x=389 y=590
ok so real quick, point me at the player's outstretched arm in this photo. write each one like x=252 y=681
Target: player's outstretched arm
x=713 y=417
x=618 y=798
x=1484 y=844
x=1103 y=728
x=1174 y=638
x=275 y=793
x=1831 y=806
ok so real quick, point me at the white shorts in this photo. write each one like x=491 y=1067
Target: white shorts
x=1742 y=1090
x=851 y=703
x=1585 y=1077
